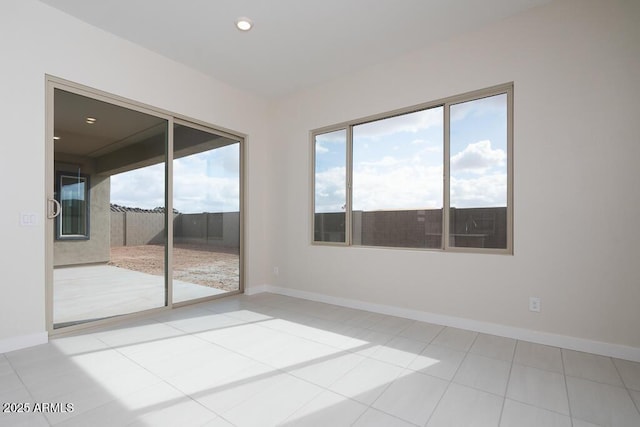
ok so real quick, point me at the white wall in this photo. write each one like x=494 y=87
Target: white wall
x=575 y=65
x=36 y=40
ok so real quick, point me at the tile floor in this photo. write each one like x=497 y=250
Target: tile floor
x=272 y=360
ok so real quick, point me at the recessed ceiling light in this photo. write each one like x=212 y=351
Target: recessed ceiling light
x=90 y=120
x=244 y=24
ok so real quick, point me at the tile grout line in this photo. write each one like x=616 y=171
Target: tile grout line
x=327 y=389
x=637 y=404
x=275 y=371
x=280 y=371
x=506 y=389
x=323 y=388
x=159 y=379
x=28 y=390
x=566 y=386
x=376 y=409
x=454 y=374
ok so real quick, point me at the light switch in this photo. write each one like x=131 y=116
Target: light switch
x=28 y=219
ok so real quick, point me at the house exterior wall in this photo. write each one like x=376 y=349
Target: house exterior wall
x=96 y=248
x=118 y=230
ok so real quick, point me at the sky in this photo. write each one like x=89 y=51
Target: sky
x=398 y=162
x=203 y=182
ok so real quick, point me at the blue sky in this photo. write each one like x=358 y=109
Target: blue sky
x=479 y=153
x=203 y=182
x=398 y=162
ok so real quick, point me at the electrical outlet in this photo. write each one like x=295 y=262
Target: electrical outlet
x=534 y=304
x=276 y=271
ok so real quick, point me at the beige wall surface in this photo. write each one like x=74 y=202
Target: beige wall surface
x=575 y=67
x=36 y=40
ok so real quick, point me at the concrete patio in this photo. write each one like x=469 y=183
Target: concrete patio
x=92 y=292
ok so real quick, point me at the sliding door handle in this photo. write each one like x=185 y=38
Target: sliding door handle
x=54 y=208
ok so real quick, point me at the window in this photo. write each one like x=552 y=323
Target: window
x=330 y=216
x=73 y=196
x=478 y=173
x=437 y=176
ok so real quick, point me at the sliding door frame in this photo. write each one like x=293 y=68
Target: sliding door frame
x=51 y=84
x=181 y=120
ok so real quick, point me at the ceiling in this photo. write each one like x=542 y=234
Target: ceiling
x=120 y=139
x=115 y=126
x=294 y=43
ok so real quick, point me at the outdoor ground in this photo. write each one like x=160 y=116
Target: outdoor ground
x=213 y=267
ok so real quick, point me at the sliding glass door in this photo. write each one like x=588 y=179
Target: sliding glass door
x=109 y=243
x=111 y=254
x=206 y=213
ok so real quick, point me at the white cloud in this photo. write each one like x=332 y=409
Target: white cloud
x=428 y=146
x=330 y=190
x=490 y=104
x=478 y=157
x=320 y=149
x=386 y=161
x=405 y=186
x=208 y=182
x=195 y=193
x=337 y=136
x=203 y=182
x=229 y=158
x=483 y=191
x=139 y=188
x=412 y=122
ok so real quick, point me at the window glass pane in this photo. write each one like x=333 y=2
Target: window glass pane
x=478 y=171
x=330 y=186
x=118 y=161
x=206 y=217
x=397 y=181
x=138 y=236
x=137 y=172
x=74 y=206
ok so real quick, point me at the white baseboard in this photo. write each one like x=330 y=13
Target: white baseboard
x=256 y=289
x=23 y=341
x=555 y=340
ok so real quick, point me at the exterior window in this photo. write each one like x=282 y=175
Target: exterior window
x=73 y=195
x=435 y=177
x=478 y=173
x=397 y=181
x=330 y=201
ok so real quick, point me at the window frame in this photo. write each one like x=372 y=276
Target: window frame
x=446 y=103
x=87 y=210
x=347 y=211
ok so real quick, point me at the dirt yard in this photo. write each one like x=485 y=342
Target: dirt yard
x=213 y=267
